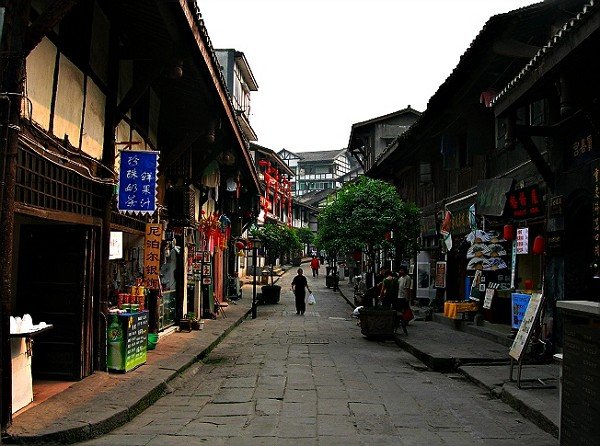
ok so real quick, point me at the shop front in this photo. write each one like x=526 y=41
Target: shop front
x=55 y=285
x=505 y=261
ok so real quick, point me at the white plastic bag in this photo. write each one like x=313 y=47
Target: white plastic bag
x=311 y=299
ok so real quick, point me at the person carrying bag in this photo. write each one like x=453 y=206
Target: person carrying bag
x=299 y=284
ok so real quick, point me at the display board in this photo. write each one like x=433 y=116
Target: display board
x=518 y=307
x=489 y=296
x=526 y=327
x=127 y=341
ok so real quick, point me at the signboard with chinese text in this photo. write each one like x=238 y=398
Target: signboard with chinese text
x=522 y=241
x=596 y=214
x=489 y=296
x=115 y=250
x=526 y=324
x=440 y=275
x=525 y=203
x=152 y=241
x=519 y=305
x=137 y=182
x=582 y=148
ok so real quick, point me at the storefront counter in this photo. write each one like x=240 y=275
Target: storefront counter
x=454 y=310
x=21 y=353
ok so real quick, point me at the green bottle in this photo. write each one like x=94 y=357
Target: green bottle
x=115 y=344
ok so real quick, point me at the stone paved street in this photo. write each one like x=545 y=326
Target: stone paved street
x=285 y=379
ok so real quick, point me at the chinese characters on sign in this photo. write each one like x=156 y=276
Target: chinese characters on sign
x=596 y=214
x=525 y=203
x=522 y=240
x=137 y=181
x=582 y=146
x=152 y=255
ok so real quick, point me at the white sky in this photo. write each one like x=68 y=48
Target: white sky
x=322 y=65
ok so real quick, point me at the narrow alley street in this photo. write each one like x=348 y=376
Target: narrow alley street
x=314 y=379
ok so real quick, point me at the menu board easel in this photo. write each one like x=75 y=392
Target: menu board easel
x=522 y=339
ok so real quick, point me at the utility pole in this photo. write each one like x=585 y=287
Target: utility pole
x=12 y=78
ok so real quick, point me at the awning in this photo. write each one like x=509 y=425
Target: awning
x=491 y=196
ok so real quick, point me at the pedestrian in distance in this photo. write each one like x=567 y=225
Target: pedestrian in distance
x=314 y=265
x=388 y=293
x=299 y=284
x=402 y=304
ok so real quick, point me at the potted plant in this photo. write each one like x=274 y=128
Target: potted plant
x=277 y=241
x=195 y=323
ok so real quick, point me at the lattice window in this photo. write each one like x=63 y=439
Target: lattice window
x=46 y=185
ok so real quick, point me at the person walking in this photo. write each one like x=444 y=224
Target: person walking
x=298 y=285
x=314 y=265
x=402 y=304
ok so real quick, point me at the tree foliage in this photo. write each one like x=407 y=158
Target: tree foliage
x=277 y=240
x=363 y=214
x=305 y=235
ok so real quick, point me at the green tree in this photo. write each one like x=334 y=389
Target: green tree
x=362 y=215
x=278 y=241
x=305 y=235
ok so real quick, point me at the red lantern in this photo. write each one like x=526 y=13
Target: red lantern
x=539 y=244
x=357 y=255
x=239 y=245
x=509 y=232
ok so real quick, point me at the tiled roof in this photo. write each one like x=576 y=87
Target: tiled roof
x=323 y=155
x=480 y=41
x=556 y=40
x=313 y=198
x=408 y=109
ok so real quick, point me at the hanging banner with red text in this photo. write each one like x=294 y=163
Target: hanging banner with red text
x=152 y=255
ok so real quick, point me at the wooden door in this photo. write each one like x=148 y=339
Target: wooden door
x=56 y=285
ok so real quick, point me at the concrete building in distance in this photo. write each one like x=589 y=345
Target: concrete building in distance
x=316 y=171
x=370 y=138
x=240 y=82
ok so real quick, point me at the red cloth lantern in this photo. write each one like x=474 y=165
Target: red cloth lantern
x=357 y=255
x=539 y=245
x=509 y=232
x=239 y=245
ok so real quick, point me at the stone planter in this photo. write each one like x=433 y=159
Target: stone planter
x=377 y=323
x=270 y=294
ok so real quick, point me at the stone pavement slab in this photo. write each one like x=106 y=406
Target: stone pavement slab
x=444 y=349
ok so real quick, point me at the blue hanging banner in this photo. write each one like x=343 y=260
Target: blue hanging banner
x=137 y=182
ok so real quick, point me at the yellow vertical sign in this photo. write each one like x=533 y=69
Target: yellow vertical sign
x=152 y=255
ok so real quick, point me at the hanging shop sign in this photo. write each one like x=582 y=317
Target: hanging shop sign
x=596 y=215
x=525 y=203
x=206 y=268
x=115 y=249
x=582 y=148
x=137 y=182
x=522 y=241
x=440 y=275
x=152 y=241
x=489 y=297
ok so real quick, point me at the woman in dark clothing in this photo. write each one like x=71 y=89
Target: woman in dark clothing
x=298 y=285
